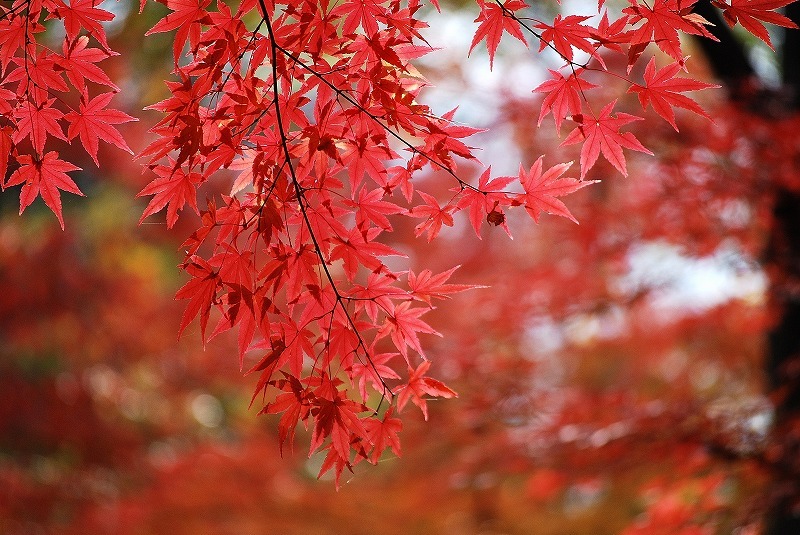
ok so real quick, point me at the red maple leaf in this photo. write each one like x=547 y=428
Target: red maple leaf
x=83 y=14
x=419 y=386
x=184 y=18
x=37 y=77
x=173 y=188
x=37 y=122
x=367 y=155
x=443 y=136
x=383 y=434
x=201 y=291
x=435 y=216
x=333 y=460
x=601 y=134
x=377 y=294
x=541 y=189
x=486 y=197
x=564 y=95
x=335 y=416
x=364 y=13
x=426 y=285
x=92 y=122
x=43 y=177
x=295 y=405
x=371 y=208
x=662 y=90
x=79 y=63
x=661 y=24
x=248 y=310
x=494 y=20
x=16 y=34
x=403 y=325
x=749 y=13
x=374 y=370
x=565 y=33
x=360 y=248
x=610 y=34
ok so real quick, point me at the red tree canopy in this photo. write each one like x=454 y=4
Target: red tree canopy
x=302 y=126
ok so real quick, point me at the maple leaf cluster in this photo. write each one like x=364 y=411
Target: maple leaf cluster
x=307 y=113
x=43 y=91
x=627 y=36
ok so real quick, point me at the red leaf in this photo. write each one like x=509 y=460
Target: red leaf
x=294 y=403
x=173 y=188
x=363 y=13
x=601 y=135
x=541 y=189
x=486 y=197
x=14 y=35
x=83 y=14
x=375 y=371
x=662 y=90
x=383 y=434
x=38 y=77
x=336 y=417
x=270 y=358
x=43 y=177
x=37 y=122
x=79 y=63
x=92 y=122
x=201 y=291
x=267 y=367
x=371 y=208
x=426 y=285
x=359 y=248
x=749 y=13
x=565 y=33
x=419 y=386
x=661 y=24
x=564 y=95
x=435 y=216
x=185 y=16
x=403 y=324
x=494 y=20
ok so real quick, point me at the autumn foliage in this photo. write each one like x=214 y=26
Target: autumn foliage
x=296 y=134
